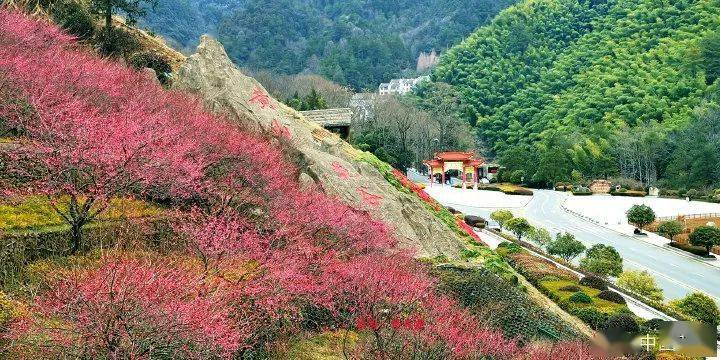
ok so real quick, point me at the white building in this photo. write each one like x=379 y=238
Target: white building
x=401 y=86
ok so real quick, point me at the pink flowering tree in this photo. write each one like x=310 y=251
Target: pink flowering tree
x=131 y=309
x=266 y=249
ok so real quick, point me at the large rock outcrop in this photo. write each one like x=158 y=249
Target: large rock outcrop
x=329 y=161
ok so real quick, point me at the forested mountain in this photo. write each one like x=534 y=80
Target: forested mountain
x=358 y=42
x=602 y=87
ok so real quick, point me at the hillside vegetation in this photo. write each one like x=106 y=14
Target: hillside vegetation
x=248 y=258
x=359 y=43
x=602 y=87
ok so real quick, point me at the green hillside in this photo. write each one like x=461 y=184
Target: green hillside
x=359 y=43
x=556 y=85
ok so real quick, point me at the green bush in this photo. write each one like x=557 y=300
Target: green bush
x=507 y=247
x=581 y=297
x=589 y=315
x=581 y=191
x=611 y=296
x=621 y=327
x=571 y=288
x=517 y=176
x=154 y=61
x=698 y=306
x=523 y=192
x=602 y=260
x=74 y=18
x=670 y=229
x=475 y=221
x=116 y=43
x=594 y=282
x=696 y=250
x=469 y=254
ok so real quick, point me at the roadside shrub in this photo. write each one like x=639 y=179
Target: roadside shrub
x=590 y=315
x=517 y=176
x=594 y=282
x=696 y=250
x=154 y=61
x=581 y=191
x=692 y=193
x=641 y=283
x=475 y=221
x=571 y=288
x=509 y=247
x=490 y=188
x=670 y=229
x=602 y=260
x=580 y=297
x=698 y=306
x=629 y=193
x=611 y=296
x=520 y=191
x=622 y=322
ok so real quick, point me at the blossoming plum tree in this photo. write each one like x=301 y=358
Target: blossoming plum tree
x=261 y=249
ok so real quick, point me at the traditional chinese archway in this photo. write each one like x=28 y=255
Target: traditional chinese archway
x=465 y=162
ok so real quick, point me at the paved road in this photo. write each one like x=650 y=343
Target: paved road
x=675 y=273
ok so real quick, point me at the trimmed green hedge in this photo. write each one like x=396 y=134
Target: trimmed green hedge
x=629 y=193
x=610 y=295
x=581 y=297
x=696 y=250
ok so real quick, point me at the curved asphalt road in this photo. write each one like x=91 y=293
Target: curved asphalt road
x=675 y=273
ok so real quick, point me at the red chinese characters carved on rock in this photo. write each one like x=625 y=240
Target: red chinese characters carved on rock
x=261 y=98
x=340 y=170
x=369 y=198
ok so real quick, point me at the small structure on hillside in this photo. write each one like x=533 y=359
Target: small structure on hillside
x=401 y=86
x=335 y=120
x=653 y=191
x=600 y=187
x=471 y=167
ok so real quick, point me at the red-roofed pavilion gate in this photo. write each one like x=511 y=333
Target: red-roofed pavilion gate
x=464 y=162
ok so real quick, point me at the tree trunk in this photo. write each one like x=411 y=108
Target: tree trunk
x=76 y=237
x=108 y=16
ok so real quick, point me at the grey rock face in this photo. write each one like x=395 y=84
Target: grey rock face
x=330 y=161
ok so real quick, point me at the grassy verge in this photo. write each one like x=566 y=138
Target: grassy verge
x=34 y=213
